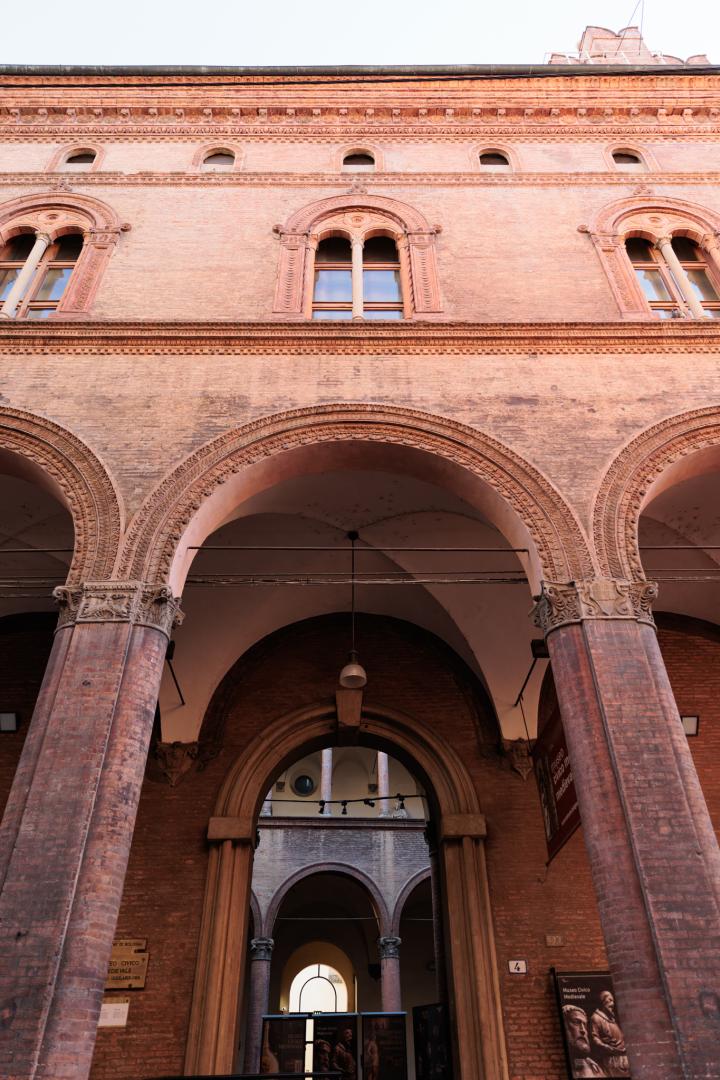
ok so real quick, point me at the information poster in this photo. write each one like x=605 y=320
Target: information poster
x=432 y=1045
x=594 y=1040
x=556 y=787
x=335 y=1044
x=384 y=1046
x=283 y=1045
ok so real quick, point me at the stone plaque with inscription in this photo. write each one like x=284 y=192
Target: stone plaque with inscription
x=128 y=964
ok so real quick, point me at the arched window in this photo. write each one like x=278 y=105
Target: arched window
x=359 y=161
x=34 y=273
x=675 y=277
x=628 y=161
x=80 y=160
x=357 y=256
x=494 y=161
x=368 y=287
x=318 y=988
x=218 y=161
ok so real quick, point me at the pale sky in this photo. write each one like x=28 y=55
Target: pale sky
x=282 y=32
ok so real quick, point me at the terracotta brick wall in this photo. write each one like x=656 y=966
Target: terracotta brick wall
x=165 y=883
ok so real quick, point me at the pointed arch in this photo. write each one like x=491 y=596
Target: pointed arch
x=673 y=449
x=193 y=500
x=36 y=448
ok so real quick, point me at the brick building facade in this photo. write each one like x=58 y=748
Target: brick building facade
x=471 y=315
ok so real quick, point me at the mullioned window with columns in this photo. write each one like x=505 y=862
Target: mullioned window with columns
x=661 y=257
x=357 y=257
x=53 y=251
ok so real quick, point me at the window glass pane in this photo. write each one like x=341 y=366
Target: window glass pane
x=39 y=313
x=713 y=313
x=383 y=285
x=685 y=248
x=380 y=249
x=382 y=314
x=625 y=157
x=53 y=284
x=221 y=158
x=67 y=248
x=359 y=159
x=18 y=249
x=346 y=314
x=667 y=313
x=334 y=249
x=494 y=157
x=653 y=285
x=333 y=285
x=701 y=285
x=85 y=157
x=638 y=249
x=7 y=277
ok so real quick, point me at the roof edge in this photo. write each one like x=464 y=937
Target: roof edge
x=478 y=71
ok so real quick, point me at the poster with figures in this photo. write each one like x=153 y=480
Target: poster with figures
x=335 y=1044
x=283 y=1044
x=384 y=1046
x=432 y=1045
x=594 y=1039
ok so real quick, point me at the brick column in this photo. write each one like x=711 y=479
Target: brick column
x=649 y=840
x=389 y=948
x=258 y=998
x=70 y=823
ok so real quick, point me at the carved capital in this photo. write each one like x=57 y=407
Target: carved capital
x=173 y=761
x=261 y=948
x=389 y=947
x=518 y=755
x=563 y=603
x=119 y=601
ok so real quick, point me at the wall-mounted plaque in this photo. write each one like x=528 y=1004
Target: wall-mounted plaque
x=384 y=1046
x=128 y=964
x=283 y=1045
x=594 y=1040
x=114 y=1012
x=432 y=1043
x=335 y=1043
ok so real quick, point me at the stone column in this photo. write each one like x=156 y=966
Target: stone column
x=326 y=771
x=357 y=278
x=389 y=947
x=70 y=823
x=383 y=784
x=22 y=281
x=665 y=247
x=648 y=836
x=435 y=896
x=258 y=998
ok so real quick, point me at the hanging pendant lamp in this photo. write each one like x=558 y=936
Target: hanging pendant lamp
x=353 y=676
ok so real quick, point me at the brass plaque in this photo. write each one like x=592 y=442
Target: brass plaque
x=128 y=964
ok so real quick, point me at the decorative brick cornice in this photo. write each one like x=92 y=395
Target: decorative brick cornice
x=118 y=601
x=90 y=337
x=563 y=603
x=340 y=180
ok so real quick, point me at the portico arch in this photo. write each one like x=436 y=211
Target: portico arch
x=204 y=490
x=36 y=449
x=472 y=970
x=663 y=455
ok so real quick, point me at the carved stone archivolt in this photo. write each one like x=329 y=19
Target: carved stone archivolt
x=156 y=533
x=564 y=603
x=118 y=601
x=628 y=482
x=83 y=482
